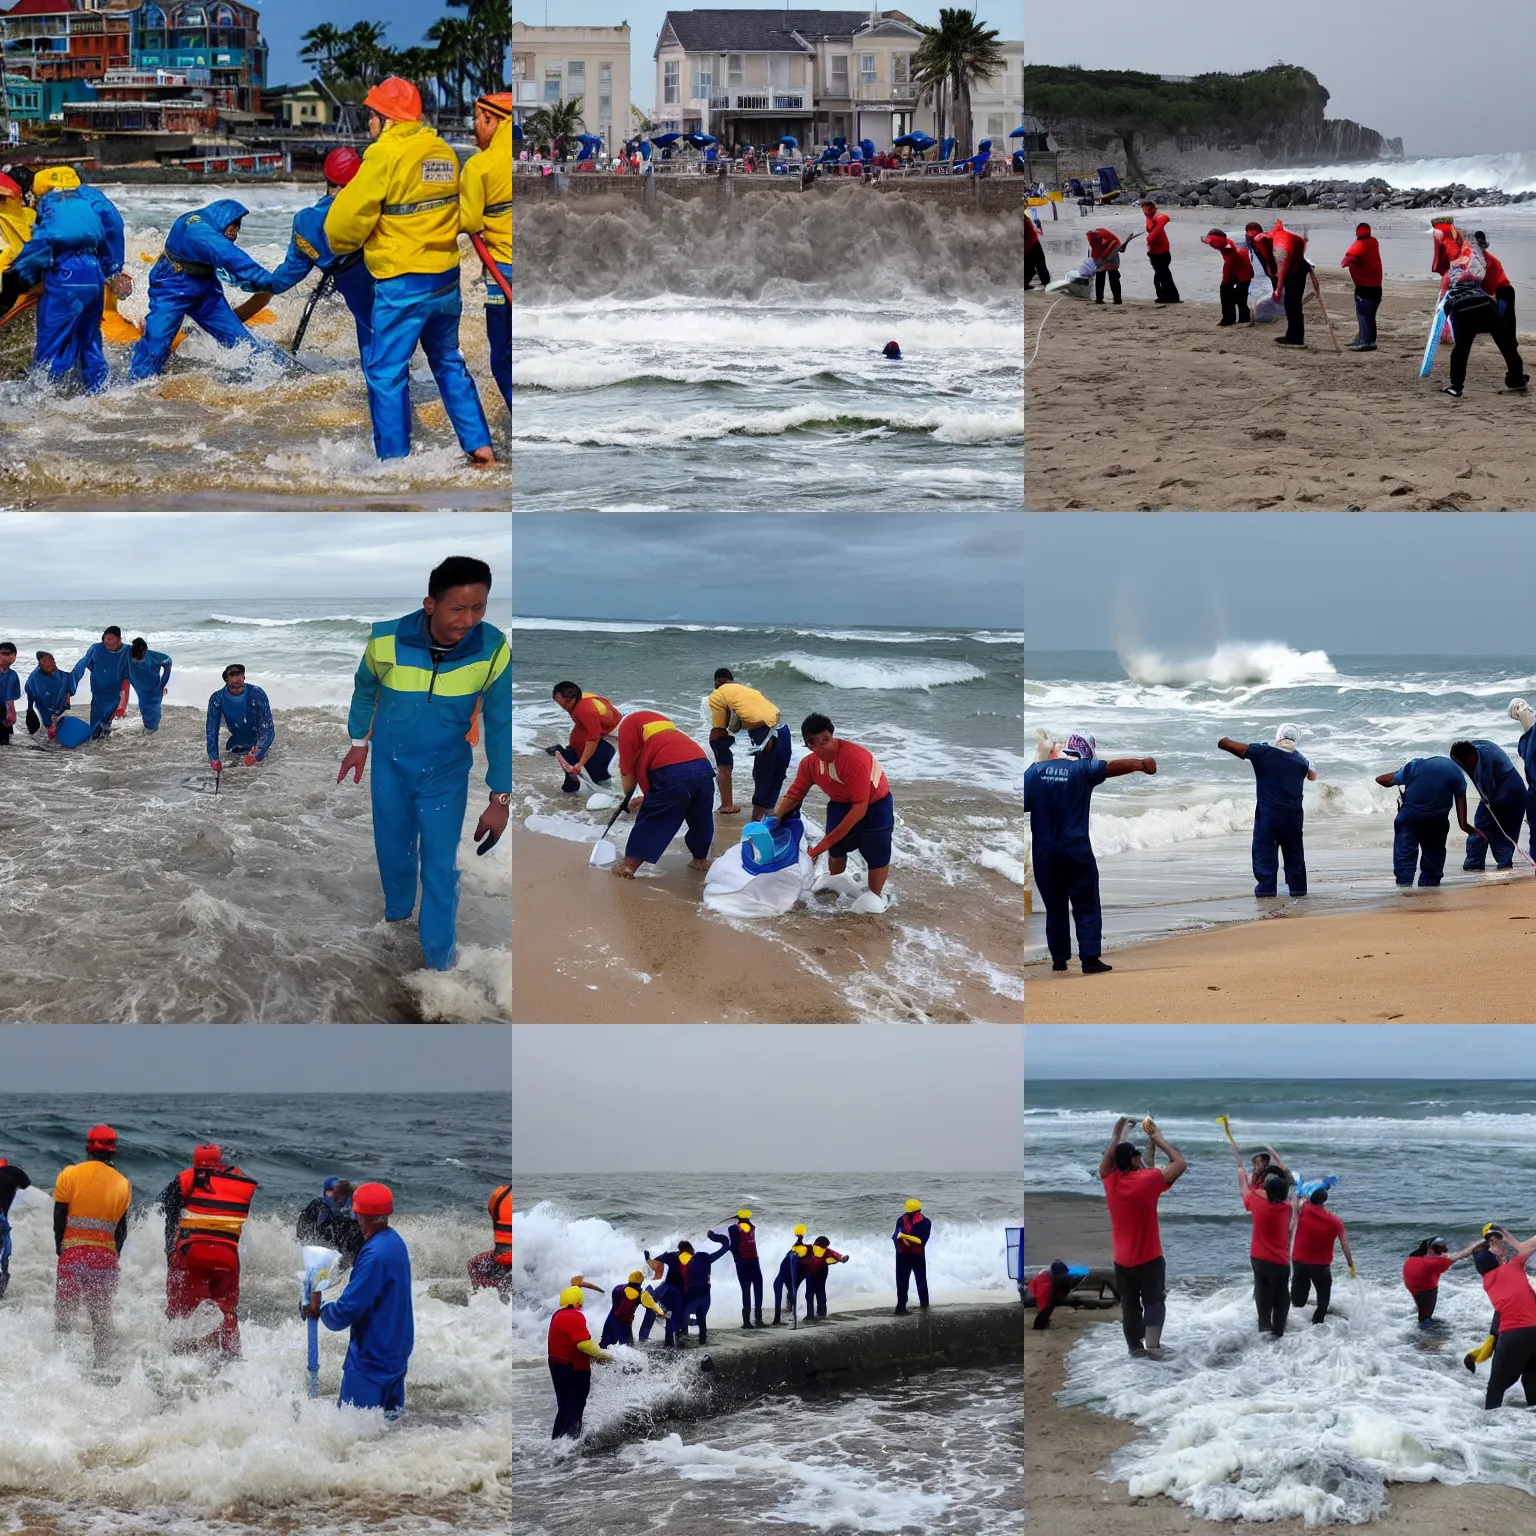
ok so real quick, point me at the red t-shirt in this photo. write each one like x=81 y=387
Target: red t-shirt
x=1290 y=247
x=1157 y=234
x=593 y=718
x=1316 y=1232
x=1236 y=265
x=1363 y=259
x=1031 y=234
x=853 y=775
x=1271 y=1227
x=1132 y=1200
x=1424 y=1274
x=1495 y=277
x=1102 y=243
x=639 y=753
x=1510 y=1292
x=1042 y=1288
x=567 y=1329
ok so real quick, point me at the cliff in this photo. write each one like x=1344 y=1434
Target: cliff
x=1151 y=128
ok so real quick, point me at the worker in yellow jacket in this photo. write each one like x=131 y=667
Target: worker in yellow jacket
x=401 y=210
x=16 y=221
x=485 y=208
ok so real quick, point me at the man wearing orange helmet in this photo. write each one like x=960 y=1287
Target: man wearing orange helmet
x=206 y=1207
x=492 y=1270
x=485 y=208
x=401 y=210
x=376 y=1306
x=308 y=248
x=90 y=1225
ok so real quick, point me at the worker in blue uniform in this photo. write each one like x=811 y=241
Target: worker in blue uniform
x=107 y=662
x=1502 y=802
x=376 y=1306
x=244 y=710
x=687 y=1272
x=1525 y=749
x=1057 y=793
x=10 y=691
x=910 y=1239
x=1430 y=786
x=741 y=1237
x=787 y=1280
x=184 y=284
x=1279 y=772
x=150 y=673
x=48 y=694
x=425 y=683
x=308 y=249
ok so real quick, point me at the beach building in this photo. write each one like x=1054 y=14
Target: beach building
x=64 y=40
x=997 y=105
x=297 y=106
x=148 y=101
x=222 y=37
x=40 y=101
x=551 y=65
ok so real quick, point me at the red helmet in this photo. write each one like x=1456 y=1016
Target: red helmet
x=341 y=165
x=208 y=1156
x=372 y=1200
x=101 y=1138
x=9 y=188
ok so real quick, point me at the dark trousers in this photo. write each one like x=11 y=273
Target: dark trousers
x=1034 y=265
x=670 y=1299
x=1514 y=1359
x=1484 y=320
x=1271 y=1295
x=784 y=1286
x=1143 y=1289
x=1043 y=1317
x=1113 y=274
x=1162 y=277
x=1419 y=841
x=913 y=1266
x=1277 y=835
x=1295 y=293
x=571 y=1388
x=695 y=1308
x=597 y=766
x=1506 y=298
x=1234 y=302
x=1367 y=302
x=750 y=1277
x=615 y=1332
x=1303 y=1278
x=1067 y=877
x=1499 y=826
x=816 y=1294
x=1425 y=1302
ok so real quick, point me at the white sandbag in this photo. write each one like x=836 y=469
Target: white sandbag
x=603 y=854
x=869 y=903
x=601 y=801
x=839 y=885
x=734 y=890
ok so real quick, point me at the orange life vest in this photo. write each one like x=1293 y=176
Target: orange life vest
x=500 y=1207
x=215 y=1203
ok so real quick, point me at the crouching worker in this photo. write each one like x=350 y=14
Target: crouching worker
x=674 y=776
x=1049 y=1289
x=619 y=1325
x=1236 y=275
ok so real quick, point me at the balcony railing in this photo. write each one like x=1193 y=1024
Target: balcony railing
x=759 y=100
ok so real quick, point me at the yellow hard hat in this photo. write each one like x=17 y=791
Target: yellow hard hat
x=743 y=1212
x=800 y=1230
x=914 y=1205
x=635 y=1277
x=54 y=178
x=571 y=1296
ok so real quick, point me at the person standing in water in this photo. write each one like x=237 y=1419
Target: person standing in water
x=245 y=711
x=1501 y=795
x=1279 y=774
x=1312 y=1239
x=13 y=1178
x=107 y=662
x=1430 y=785
x=1131 y=1192
x=1501 y=1264
x=485 y=208
x=571 y=1353
x=1269 y=1249
x=48 y=694
x=150 y=673
x=1422 y=1270
x=90 y=1226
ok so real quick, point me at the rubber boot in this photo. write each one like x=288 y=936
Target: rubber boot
x=746 y=1318
x=1154 y=1342
x=778 y=1321
x=759 y=1317
x=703 y=1336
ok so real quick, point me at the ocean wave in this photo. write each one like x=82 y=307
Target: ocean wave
x=246 y=621
x=876 y=672
x=1514 y=171
x=621 y=627
x=1235 y=663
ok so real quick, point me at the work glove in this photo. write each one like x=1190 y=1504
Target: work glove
x=1351 y=1271
x=249 y=759
x=120 y=711
x=1468 y=1361
x=216 y=765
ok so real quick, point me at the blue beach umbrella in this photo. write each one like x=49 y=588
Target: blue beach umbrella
x=700 y=140
x=661 y=140
x=517 y=131
x=789 y=139
x=918 y=141
x=1018 y=133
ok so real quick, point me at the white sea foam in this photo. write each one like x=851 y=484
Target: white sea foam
x=619 y=627
x=1233 y=663
x=876 y=672
x=1514 y=171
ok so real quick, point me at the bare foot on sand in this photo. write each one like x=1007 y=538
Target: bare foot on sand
x=483 y=458
x=730 y=810
x=621 y=873
x=698 y=863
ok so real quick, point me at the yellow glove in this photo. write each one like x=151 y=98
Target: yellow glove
x=1351 y=1271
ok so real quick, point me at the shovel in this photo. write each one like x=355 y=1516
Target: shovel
x=603 y=852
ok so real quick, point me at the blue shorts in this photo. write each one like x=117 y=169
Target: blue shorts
x=597 y=765
x=872 y=836
x=721 y=747
x=365 y=1392
x=679 y=792
x=771 y=766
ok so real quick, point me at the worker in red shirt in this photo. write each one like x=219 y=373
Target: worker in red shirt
x=1422 y=1270
x=1363 y=263
x=1291 y=272
x=673 y=774
x=1315 y=1232
x=1105 y=247
x=1514 y=1307
x=1496 y=281
x=1159 y=253
x=1269 y=1249
x=861 y=814
x=1048 y=1288
x=1131 y=1193
x=1034 y=252
x=593 y=722
x=1236 y=274
x=571 y=1353
x=1261 y=247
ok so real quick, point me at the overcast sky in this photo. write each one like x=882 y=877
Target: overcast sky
x=956 y=570
x=854 y=1098
x=256 y=1058
x=1473 y=1052
x=1385 y=63
x=244 y=554
x=1378 y=583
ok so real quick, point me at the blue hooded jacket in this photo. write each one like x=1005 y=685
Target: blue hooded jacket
x=255 y=717
x=111 y=227
x=376 y=1306
x=108 y=669
x=199 y=238
x=66 y=223
x=49 y=695
x=152 y=675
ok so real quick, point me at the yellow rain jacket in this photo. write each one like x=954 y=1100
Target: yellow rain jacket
x=485 y=195
x=402 y=208
x=16 y=221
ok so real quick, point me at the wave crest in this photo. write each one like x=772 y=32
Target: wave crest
x=872 y=672
x=1237 y=663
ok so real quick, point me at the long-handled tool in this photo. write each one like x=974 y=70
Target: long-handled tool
x=1225 y=1122
x=1317 y=288
x=324 y=286
x=489 y=263
x=1505 y=835
x=603 y=852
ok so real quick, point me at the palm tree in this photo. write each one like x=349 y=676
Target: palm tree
x=953 y=56
x=490 y=22
x=320 y=45
x=555 y=125
x=363 y=55
x=454 y=55
x=418 y=65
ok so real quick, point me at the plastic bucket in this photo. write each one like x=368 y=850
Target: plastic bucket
x=71 y=731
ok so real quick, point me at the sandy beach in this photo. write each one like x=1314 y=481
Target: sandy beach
x=1148 y=409
x=1067 y=1449
x=1429 y=958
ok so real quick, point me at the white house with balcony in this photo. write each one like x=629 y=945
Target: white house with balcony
x=551 y=65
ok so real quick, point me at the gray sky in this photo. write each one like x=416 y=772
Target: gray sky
x=1385 y=63
x=1382 y=583
x=1376 y=1051
x=243 y=554
x=957 y=570
x=256 y=1058
x=855 y=1098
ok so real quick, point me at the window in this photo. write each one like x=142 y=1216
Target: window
x=867 y=75
x=605 y=86
x=703 y=79
x=901 y=72
x=734 y=73
x=839 y=74
x=670 y=70
x=575 y=77
x=994 y=127
x=552 y=78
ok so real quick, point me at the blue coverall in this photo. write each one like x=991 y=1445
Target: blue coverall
x=1057 y=795
x=109 y=671
x=49 y=696
x=376 y=1305
x=248 y=715
x=691 y=1280
x=1499 y=784
x=912 y=1263
x=414 y=702
x=1277 y=818
x=1527 y=750
x=308 y=248
x=69 y=252
x=150 y=678
x=10 y=693
x=1423 y=822
x=184 y=284
x=749 y=1271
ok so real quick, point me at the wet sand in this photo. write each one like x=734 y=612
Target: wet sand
x=1430 y=957
x=1147 y=409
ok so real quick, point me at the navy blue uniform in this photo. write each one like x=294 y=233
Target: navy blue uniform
x=1057 y=795
x=749 y=1271
x=1527 y=751
x=1430 y=786
x=1503 y=805
x=1277 y=818
x=912 y=1258
x=691 y=1282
